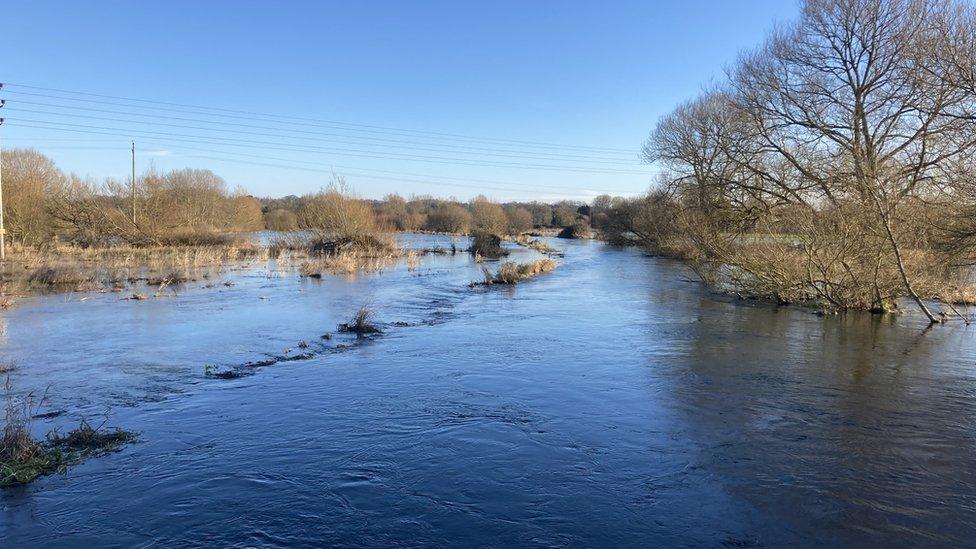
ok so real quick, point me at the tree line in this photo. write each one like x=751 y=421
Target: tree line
x=835 y=163
x=42 y=204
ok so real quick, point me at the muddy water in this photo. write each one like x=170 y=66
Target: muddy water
x=613 y=401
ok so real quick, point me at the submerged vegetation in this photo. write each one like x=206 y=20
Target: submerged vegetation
x=24 y=458
x=361 y=323
x=513 y=273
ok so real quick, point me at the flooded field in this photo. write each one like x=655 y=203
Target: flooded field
x=614 y=401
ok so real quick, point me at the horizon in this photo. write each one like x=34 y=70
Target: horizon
x=509 y=109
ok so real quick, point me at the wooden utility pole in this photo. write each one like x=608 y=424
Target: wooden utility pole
x=133 y=182
x=3 y=232
x=3 y=239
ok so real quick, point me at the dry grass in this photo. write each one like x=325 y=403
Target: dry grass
x=63 y=268
x=538 y=245
x=413 y=260
x=361 y=323
x=513 y=273
x=963 y=295
x=345 y=263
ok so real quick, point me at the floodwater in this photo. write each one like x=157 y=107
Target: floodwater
x=612 y=402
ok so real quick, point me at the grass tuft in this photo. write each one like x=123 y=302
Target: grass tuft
x=361 y=323
x=513 y=273
x=24 y=458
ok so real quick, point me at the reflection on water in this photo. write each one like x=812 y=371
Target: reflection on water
x=610 y=402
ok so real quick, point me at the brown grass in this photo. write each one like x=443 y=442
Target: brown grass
x=513 y=273
x=538 y=245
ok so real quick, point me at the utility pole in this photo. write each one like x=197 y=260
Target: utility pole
x=133 y=181
x=3 y=246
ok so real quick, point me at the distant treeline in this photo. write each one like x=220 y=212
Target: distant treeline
x=186 y=207
x=43 y=204
x=426 y=213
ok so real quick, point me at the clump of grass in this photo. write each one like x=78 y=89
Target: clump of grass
x=85 y=440
x=344 y=263
x=24 y=458
x=960 y=295
x=7 y=367
x=168 y=279
x=538 y=245
x=361 y=323
x=58 y=276
x=309 y=269
x=413 y=260
x=513 y=273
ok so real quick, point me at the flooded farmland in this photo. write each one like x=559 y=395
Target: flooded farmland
x=614 y=401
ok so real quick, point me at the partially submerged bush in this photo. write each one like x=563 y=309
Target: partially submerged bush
x=579 y=229
x=334 y=216
x=486 y=245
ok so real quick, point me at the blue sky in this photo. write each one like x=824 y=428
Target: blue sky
x=442 y=98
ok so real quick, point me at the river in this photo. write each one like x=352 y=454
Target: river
x=614 y=401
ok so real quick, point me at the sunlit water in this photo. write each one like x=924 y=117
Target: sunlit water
x=612 y=402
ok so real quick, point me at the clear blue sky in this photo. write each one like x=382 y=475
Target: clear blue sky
x=585 y=74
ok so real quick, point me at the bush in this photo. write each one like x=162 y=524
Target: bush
x=488 y=217
x=281 y=220
x=449 y=218
x=486 y=245
x=334 y=216
x=579 y=229
x=519 y=220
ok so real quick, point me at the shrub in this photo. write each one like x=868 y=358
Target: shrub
x=333 y=215
x=486 y=245
x=488 y=217
x=281 y=219
x=579 y=229
x=449 y=218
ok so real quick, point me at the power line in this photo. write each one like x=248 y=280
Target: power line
x=16 y=102
x=348 y=125
x=126 y=132
x=400 y=179
x=514 y=186
x=168 y=147
x=244 y=132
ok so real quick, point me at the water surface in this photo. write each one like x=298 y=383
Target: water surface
x=613 y=401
